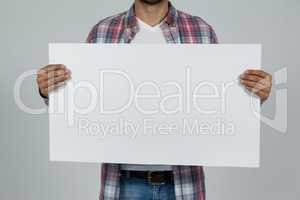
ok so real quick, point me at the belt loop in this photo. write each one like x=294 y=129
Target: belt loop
x=149 y=176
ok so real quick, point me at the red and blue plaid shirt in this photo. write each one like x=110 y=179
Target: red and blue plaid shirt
x=177 y=27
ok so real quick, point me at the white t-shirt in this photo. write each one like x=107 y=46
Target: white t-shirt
x=147 y=35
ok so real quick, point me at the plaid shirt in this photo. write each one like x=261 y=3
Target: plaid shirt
x=177 y=27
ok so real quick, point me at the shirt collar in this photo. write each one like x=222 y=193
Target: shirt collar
x=170 y=19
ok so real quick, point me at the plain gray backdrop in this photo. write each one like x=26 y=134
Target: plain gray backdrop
x=26 y=28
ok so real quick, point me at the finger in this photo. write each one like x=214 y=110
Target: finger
x=51 y=67
x=42 y=80
x=257 y=72
x=259 y=92
x=58 y=72
x=256 y=79
x=263 y=95
x=50 y=75
x=257 y=89
x=253 y=84
x=53 y=74
x=53 y=87
x=250 y=77
x=53 y=81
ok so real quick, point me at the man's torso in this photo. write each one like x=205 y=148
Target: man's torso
x=177 y=27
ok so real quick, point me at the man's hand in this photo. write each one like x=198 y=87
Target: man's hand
x=258 y=82
x=51 y=77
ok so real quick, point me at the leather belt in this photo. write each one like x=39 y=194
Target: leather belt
x=153 y=177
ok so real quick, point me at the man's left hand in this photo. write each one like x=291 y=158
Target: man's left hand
x=258 y=82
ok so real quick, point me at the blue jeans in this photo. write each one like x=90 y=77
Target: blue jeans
x=139 y=189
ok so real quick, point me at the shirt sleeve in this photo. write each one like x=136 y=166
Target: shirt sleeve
x=213 y=36
x=92 y=36
x=46 y=99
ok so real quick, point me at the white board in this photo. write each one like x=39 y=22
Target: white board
x=155 y=104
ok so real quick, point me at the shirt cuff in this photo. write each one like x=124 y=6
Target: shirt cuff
x=46 y=99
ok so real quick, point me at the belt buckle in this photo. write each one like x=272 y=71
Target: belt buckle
x=149 y=177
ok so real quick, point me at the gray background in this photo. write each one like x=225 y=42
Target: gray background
x=28 y=26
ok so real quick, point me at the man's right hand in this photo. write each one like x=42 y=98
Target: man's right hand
x=51 y=77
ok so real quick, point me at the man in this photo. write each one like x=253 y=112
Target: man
x=151 y=21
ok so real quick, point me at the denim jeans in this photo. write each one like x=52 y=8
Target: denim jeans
x=139 y=189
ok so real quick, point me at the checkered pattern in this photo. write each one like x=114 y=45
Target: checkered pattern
x=177 y=27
